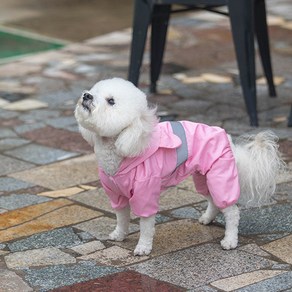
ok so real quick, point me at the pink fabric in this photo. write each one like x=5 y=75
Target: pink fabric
x=140 y=180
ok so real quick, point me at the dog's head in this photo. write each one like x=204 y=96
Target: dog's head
x=115 y=108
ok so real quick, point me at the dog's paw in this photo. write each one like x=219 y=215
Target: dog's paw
x=205 y=220
x=117 y=235
x=229 y=243
x=143 y=249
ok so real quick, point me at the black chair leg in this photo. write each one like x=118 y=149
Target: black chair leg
x=159 y=27
x=142 y=18
x=261 y=30
x=242 y=26
x=290 y=118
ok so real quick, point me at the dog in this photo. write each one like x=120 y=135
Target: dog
x=138 y=158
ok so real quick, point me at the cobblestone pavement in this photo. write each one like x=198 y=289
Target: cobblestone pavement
x=55 y=218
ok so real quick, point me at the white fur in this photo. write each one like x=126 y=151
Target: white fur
x=123 y=129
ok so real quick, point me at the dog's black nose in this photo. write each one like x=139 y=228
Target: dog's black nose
x=87 y=96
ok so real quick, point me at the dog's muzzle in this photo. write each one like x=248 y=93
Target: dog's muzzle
x=87 y=101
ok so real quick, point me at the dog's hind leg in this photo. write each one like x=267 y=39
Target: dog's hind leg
x=147 y=230
x=122 y=228
x=232 y=216
x=210 y=213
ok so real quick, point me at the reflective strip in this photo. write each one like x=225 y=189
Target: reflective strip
x=182 y=151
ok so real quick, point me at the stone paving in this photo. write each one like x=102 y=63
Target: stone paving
x=55 y=217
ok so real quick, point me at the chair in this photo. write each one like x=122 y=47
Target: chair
x=247 y=18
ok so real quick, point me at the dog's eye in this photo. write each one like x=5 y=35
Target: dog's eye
x=110 y=101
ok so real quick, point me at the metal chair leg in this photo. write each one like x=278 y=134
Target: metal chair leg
x=142 y=18
x=261 y=30
x=159 y=27
x=242 y=26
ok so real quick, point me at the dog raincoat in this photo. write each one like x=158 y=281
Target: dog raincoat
x=140 y=180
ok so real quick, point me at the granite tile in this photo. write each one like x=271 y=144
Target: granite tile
x=254 y=249
x=8 y=143
x=59 y=138
x=7 y=133
x=40 y=154
x=101 y=227
x=272 y=219
x=89 y=247
x=43 y=217
x=123 y=281
x=95 y=198
x=11 y=282
x=62 y=122
x=236 y=282
x=40 y=115
x=9 y=184
x=62 y=193
x=281 y=248
x=176 y=235
x=200 y=265
x=61 y=175
x=23 y=128
x=282 y=282
x=175 y=198
x=29 y=213
x=14 y=201
x=62 y=275
x=25 y=105
x=114 y=256
x=186 y=212
x=9 y=165
x=64 y=237
x=38 y=257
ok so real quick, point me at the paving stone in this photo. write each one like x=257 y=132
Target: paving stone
x=95 y=198
x=14 y=201
x=236 y=282
x=114 y=256
x=64 y=237
x=23 y=128
x=176 y=235
x=101 y=227
x=186 y=212
x=281 y=248
x=254 y=249
x=59 y=138
x=40 y=154
x=38 y=257
x=10 y=282
x=8 y=143
x=273 y=219
x=175 y=198
x=282 y=282
x=123 y=281
x=9 y=165
x=61 y=122
x=25 y=105
x=62 y=275
x=62 y=193
x=88 y=247
x=40 y=115
x=9 y=184
x=200 y=265
x=42 y=217
x=7 y=133
x=63 y=174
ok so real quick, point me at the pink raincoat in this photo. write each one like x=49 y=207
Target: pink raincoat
x=140 y=180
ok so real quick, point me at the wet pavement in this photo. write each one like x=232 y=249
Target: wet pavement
x=55 y=217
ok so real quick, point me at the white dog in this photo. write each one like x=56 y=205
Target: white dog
x=139 y=157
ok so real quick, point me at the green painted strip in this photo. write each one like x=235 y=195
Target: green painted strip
x=12 y=45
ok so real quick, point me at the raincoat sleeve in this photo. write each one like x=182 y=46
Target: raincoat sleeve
x=145 y=197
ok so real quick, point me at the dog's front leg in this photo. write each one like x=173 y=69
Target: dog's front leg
x=122 y=228
x=232 y=216
x=147 y=230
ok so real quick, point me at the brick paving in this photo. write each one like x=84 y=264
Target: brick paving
x=55 y=217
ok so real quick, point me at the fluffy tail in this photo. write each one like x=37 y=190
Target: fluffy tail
x=259 y=164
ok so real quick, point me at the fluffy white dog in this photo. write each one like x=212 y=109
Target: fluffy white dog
x=139 y=157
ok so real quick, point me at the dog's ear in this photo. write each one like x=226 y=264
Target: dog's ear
x=133 y=140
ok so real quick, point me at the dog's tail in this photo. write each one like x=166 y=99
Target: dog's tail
x=259 y=164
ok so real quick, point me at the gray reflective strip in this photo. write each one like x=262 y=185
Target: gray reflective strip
x=182 y=151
